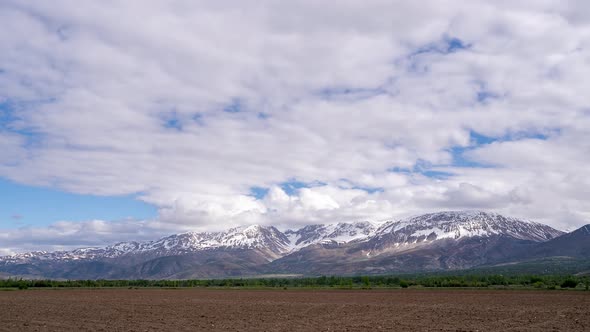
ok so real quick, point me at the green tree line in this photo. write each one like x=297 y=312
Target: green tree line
x=355 y=282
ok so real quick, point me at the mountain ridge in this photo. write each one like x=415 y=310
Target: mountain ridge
x=434 y=241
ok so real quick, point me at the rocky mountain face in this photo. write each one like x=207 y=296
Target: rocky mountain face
x=331 y=233
x=431 y=242
x=573 y=245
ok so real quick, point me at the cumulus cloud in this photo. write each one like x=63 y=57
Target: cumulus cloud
x=377 y=108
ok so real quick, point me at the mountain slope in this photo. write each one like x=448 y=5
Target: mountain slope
x=574 y=245
x=337 y=233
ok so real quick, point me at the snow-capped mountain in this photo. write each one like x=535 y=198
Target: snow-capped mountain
x=338 y=233
x=462 y=224
x=250 y=237
x=266 y=238
x=432 y=241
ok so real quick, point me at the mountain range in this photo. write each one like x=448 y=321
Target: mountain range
x=443 y=241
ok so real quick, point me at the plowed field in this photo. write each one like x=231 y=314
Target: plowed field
x=293 y=310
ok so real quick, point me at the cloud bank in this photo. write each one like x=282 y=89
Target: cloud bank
x=226 y=113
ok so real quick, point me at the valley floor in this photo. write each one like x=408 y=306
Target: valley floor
x=292 y=310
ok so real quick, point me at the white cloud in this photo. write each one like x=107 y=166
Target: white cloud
x=66 y=235
x=337 y=95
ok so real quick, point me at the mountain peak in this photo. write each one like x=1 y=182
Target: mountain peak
x=254 y=228
x=582 y=232
x=461 y=224
x=460 y=215
x=341 y=232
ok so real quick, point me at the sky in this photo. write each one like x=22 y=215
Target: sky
x=130 y=120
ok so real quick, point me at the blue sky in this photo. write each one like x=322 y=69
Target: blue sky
x=287 y=114
x=23 y=205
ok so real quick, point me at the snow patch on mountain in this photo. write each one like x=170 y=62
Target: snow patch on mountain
x=337 y=232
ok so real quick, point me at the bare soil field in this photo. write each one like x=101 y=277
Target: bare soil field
x=293 y=310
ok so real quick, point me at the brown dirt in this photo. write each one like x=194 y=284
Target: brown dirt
x=292 y=310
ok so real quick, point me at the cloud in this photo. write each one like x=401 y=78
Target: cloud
x=189 y=106
x=65 y=235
